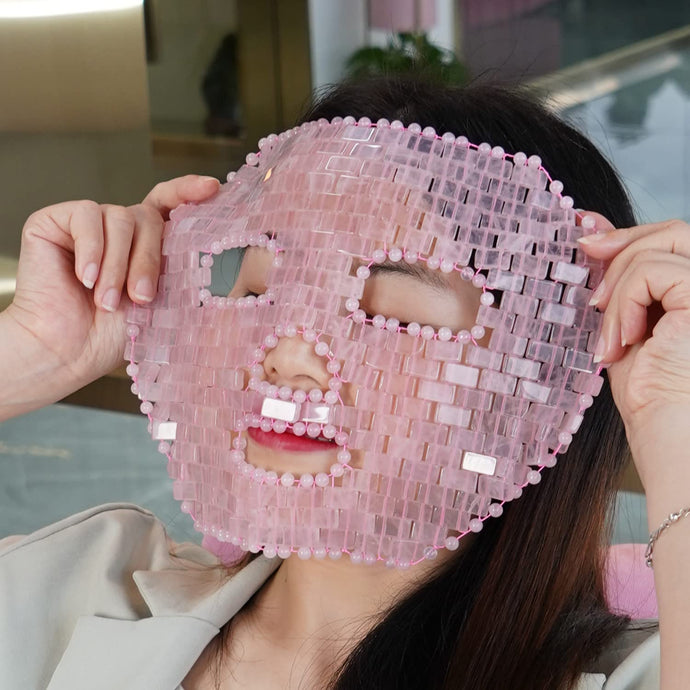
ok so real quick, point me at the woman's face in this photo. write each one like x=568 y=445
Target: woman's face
x=409 y=293
x=358 y=390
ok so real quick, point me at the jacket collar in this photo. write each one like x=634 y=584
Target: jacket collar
x=188 y=607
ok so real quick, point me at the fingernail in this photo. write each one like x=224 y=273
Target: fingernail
x=624 y=339
x=597 y=294
x=594 y=238
x=207 y=178
x=90 y=275
x=600 y=349
x=111 y=299
x=143 y=290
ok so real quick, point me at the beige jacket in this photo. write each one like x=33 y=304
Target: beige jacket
x=97 y=602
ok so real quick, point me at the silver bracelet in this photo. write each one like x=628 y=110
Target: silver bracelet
x=670 y=520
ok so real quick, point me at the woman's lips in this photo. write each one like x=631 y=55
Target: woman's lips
x=287 y=441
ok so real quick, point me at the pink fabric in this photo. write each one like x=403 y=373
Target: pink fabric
x=629 y=582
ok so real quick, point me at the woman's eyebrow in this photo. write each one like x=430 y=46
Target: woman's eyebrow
x=431 y=278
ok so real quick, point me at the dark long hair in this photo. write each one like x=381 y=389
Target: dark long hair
x=524 y=606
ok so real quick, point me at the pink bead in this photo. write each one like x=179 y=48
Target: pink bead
x=495 y=510
x=588 y=223
x=322 y=480
x=363 y=272
x=379 y=256
x=132 y=331
x=299 y=396
x=288 y=479
x=433 y=262
x=452 y=543
x=487 y=299
x=534 y=162
x=479 y=280
x=533 y=477
x=476 y=525
x=556 y=186
x=520 y=159
x=321 y=349
x=146 y=407
x=413 y=328
x=379 y=321
x=299 y=428
x=395 y=254
x=427 y=332
x=304 y=553
x=306 y=481
x=564 y=438
x=477 y=332
x=352 y=304
x=337 y=470
x=331 y=397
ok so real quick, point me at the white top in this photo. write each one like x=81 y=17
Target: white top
x=97 y=602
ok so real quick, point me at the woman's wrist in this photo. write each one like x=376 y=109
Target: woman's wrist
x=31 y=376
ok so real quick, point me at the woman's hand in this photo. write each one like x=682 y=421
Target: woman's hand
x=646 y=337
x=80 y=265
x=646 y=340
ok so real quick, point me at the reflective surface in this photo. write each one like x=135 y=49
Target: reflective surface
x=644 y=129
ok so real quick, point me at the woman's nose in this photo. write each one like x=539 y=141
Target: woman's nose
x=294 y=363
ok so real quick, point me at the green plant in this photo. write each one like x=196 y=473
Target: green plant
x=407 y=52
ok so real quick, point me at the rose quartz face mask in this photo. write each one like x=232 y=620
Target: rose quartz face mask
x=431 y=430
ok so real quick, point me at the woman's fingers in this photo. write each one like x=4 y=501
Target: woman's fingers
x=87 y=232
x=653 y=276
x=118 y=230
x=166 y=196
x=622 y=246
x=145 y=256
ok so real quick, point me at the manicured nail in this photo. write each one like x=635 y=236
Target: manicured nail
x=90 y=275
x=594 y=238
x=111 y=299
x=624 y=339
x=597 y=294
x=144 y=290
x=600 y=350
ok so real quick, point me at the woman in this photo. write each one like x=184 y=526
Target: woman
x=519 y=606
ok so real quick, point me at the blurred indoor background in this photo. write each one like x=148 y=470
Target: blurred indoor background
x=101 y=99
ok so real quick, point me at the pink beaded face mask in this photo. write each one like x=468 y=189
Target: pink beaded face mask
x=296 y=421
